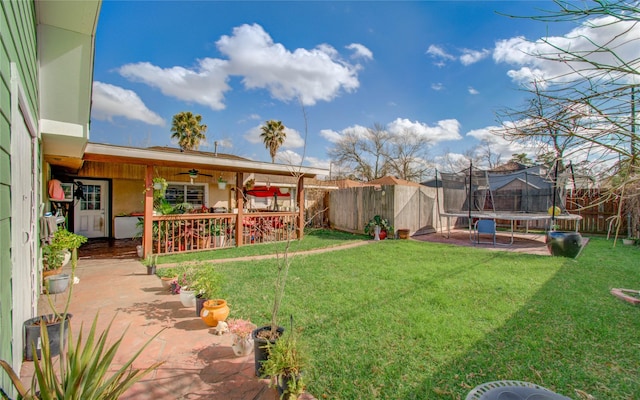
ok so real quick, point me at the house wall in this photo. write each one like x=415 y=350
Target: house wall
x=128 y=183
x=17 y=45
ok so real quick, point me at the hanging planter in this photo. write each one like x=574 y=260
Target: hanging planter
x=222 y=184
x=57 y=283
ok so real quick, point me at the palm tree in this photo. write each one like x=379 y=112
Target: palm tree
x=187 y=129
x=273 y=136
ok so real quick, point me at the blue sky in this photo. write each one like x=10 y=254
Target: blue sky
x=439 y=68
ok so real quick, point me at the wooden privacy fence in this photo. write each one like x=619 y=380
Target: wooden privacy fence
x=406 y=207
x=596 y=210
x=415 y=208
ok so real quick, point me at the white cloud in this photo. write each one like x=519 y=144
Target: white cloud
x=437 y=86
x=360 y=51
x=330 y=135
x=204 y=85
x=448 y=129
x=469 y=57
x=311 y=75
x=292 y=141
x=499 y=145
x=620 y=36
x=439 y=53
x=473 y=91
x=110 y=101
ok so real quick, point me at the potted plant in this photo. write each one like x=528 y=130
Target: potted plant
x=54 y=258
x=285 y=367
x=240 y=330
x=151 y=262
x=378 y=227
x=53 y=323
x=84 y=367
x=269 y=334
x=222 y=184
x=57 y=254
x=207 y=284
x=214 y=311
x=249 y=184
x=182 y=285
x=167 y=275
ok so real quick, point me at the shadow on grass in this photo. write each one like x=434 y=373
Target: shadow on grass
x=572 y=337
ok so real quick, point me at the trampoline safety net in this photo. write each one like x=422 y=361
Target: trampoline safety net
x=523 y=191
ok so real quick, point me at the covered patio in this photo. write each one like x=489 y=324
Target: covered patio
x=216 y=183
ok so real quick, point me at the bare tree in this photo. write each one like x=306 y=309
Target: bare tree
x=363 y=153
x=587 y=114
x=377 y=152
x=406 y=156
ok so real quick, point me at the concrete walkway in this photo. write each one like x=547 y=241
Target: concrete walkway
x=197 y=363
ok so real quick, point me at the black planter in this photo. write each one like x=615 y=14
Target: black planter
x=151 y=269
x=32 y=335
x=260 y=347
x=564 y=244
x=199 y=302
x=283 y=386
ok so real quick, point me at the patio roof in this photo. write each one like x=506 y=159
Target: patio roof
x=159 y=156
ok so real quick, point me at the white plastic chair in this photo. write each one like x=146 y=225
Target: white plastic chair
x=487 y=227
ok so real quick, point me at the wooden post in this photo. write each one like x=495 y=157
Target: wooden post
x=240 y=205
x=300 y=201
x=147 y=236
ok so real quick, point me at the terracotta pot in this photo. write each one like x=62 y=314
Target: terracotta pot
x=214 y=311
x=50 y=272
x=403 y=233
x=204 y=242
x=166 y=282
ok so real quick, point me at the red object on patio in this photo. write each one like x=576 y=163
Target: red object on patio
x=263 y=191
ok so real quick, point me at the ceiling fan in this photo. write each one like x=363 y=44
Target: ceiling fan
x=193 y=174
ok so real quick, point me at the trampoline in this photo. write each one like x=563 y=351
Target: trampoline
x=525 y=195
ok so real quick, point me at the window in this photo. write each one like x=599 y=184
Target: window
x=183 y=193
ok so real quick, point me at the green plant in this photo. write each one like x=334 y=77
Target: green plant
x=84 y=369
x=221 y=180
x=285 y=365
x=53 y=257
x=67 y=240
x=383 y=223
x=207 y=281
x=150 y=260
x=169 y=272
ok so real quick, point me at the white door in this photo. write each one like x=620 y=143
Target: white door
x=91 y=212
x=23 y=241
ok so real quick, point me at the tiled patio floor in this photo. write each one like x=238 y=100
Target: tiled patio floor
x=198 y=363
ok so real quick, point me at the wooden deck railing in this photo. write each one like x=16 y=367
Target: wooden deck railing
x=196 y=232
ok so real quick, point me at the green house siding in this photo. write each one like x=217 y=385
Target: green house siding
x=17 y=45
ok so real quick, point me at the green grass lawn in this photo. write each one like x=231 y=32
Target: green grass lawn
x=313 y=239
x=414 y=320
